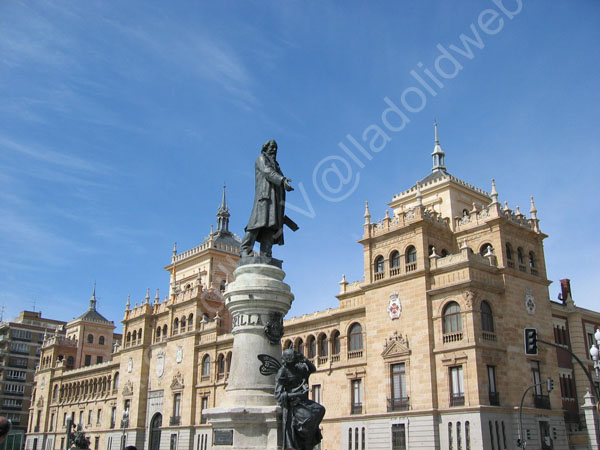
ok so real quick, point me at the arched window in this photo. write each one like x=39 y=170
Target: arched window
x=487 y=320
x=55 y=392
x=452 y=318
x=165 y=329
x=176 y=325
x=483 y=250
x=134 y=336
x=531 y=260
x=228 y=362
x=311 y=346
x=323 y=347
x=223 y=285
x=509 y=251
x=140 y=334
x=90 y=339
x=395 y=259
x=221 y=365
x=335 y=342
x=288 y=344
x=70 y=362
x=191 y=321
x=116 y=381
x=206 y=366
x=356 y=337
x=128 y=337
x=379 y=264
x=300 y=346
x=183 y=323
x=101 y=340
x=158 y=329
x=520 y=258
x=411 y=255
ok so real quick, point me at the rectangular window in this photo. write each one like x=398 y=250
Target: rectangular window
x=98 y=359
x=89 y=417
x=535 y=377
x=173 y=442
x=398 y=436
x=21 y=335
x=356 y=406
x=126 y=406
x=177 y=405
x=80 y=418
x=14 y=388
x=398 y=381
x=492 y=378
x=64 y=419
x=316 y=393
x=113 y=416
x=18 y=347
x=97 y=443
x=99 y=417
x=203 y=406
x=88 y=360
x=52 y=422
x=457 y=393
x=62 y=442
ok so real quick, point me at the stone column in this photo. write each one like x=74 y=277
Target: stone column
x=248 y=417
x=591 y=420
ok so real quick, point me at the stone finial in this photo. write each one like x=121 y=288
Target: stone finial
x=174 y=248
x=419 y=195
x=367 y=213
x=494 y=193
x=157 y=298
x=433 y=253
x=438 y=154
x=506 y=208
x=533 y=210
x=464 y=245
x=147 y=295
x=474 y=210
x=343 y=284
x=128 y=304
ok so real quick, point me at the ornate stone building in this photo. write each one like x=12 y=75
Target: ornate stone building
x=425 y=352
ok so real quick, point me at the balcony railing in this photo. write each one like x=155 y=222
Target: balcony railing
x=457 y=399
x=335 y=358
x=322 y=360
x=495 y=398
x=394 y=271
x=452 y=337
x=522 y=268
x=379 y=276
x=355 y=354
x=411 y=267
x=397 y=404
x=510 y=264
x=488 y=336
x=204 y=377
x=356 y=408
x=541 y=401
x=175 y=420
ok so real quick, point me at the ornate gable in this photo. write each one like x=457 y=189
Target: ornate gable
x=177 y=382
x=395 y=346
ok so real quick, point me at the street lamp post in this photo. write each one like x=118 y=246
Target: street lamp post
x=594 y=352
x=124 y=425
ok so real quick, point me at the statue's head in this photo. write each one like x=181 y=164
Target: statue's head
x=270 y=148
x=288 y=356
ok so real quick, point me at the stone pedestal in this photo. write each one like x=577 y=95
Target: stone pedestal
x=591 y=420
x=248 y=417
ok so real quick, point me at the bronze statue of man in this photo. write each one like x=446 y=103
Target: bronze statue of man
x=268 y=212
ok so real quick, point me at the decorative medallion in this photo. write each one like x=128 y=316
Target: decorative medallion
x=177 y=382
x=128 y=388
x=179 y=354
x=394 y=307
x=529 y=301
x=130 y=365
x=160 y=364
x=274 y=328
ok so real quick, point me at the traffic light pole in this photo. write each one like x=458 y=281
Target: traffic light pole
x=520 y=442
x=587 y=372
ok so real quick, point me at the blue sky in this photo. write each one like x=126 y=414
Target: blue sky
x=120 y=121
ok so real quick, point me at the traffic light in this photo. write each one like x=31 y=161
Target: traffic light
x=550 y=384
x=531 y=341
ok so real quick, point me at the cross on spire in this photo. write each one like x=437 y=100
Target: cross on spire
x=223 y=215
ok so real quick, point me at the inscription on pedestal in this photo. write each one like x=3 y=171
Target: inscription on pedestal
x=240 y=320
x=223 y=437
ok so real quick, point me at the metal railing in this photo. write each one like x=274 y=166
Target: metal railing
x=541 y=401
x=397 y=404
x=356 y=408
x=457 y=399
x=495 y=398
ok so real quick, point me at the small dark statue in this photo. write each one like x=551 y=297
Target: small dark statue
x=301 y=416
x=268 y=211
x=79 y=440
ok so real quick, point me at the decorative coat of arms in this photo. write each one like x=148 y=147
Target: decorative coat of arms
x=177 y=382
x=128 y=388
x=160 y=364
x=394 y=307
x=529 y=301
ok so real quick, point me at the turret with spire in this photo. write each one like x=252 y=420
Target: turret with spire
x=438 y=154
x=93 y=299
x=223 y=215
